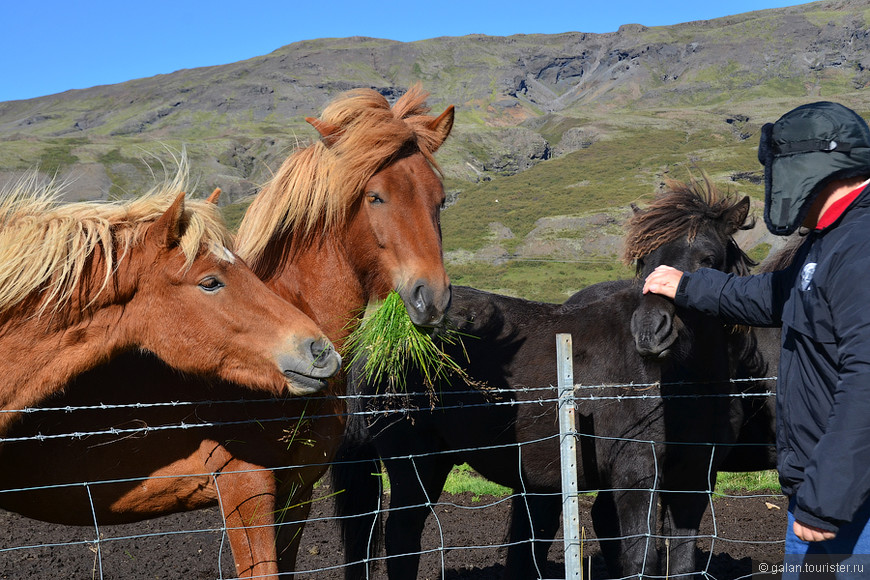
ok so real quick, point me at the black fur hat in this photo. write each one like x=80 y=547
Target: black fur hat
x=802 y=152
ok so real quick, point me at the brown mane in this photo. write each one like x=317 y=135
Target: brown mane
x=315 y=187
x=680 y=211
x=46 y=246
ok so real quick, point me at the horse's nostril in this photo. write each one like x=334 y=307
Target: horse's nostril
x=664 y=325
x=422 y=298
x=419 y=298
x=320 y=351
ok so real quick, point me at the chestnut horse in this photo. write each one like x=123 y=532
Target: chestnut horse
x=344 y=221
x=81 y=283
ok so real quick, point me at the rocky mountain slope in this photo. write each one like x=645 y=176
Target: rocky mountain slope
x=571 y=125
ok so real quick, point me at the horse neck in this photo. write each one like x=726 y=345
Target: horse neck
x=321 y=282
x=703 y=349
x=41 y=354
x=94 y=324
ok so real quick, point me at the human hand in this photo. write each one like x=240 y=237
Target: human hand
x=663 y=280
x=809 y=533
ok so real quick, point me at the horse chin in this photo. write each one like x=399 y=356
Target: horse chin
x=429 y=320
x=299 y=384
x=666 y=353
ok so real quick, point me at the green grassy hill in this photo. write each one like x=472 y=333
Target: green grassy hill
x=555 y=134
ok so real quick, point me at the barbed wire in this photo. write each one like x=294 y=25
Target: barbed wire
x=272 y=400
x=531 y=396
x=641 y=391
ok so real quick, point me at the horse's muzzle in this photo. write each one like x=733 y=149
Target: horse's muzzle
x=309 y=372
x=653 y=327
x=426 y=305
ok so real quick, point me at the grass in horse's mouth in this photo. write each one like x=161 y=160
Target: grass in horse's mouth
x=389 y=345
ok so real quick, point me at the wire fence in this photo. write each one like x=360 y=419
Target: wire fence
x=464 y=537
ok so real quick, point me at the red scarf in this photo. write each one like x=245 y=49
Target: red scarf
x=838 y=208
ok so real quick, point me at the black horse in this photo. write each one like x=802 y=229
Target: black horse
x=631 y=449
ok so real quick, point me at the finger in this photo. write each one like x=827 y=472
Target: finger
x=662 y=283
x=812 y=534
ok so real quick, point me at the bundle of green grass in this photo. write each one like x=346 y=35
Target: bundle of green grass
x=390 y=345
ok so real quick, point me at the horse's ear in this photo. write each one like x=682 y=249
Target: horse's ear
x=215 y=196
x=329 y=133
x=167 y=229
x=442 y=126
x=736 y=216
x=634 y=208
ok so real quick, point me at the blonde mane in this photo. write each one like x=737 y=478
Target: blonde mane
x=314 y=188
x=46 y=246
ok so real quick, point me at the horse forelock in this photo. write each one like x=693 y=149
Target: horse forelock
x=313 y=191
x=681 y=211
x=47 y=246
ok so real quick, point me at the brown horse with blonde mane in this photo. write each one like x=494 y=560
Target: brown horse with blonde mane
x=81 y=283
x=342 y=223
x=361 y=204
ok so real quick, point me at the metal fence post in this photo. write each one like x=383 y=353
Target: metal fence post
x=568 y=450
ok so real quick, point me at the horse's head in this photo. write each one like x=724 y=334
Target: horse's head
x=393 y=229
x=200 y=309
x=474 y=312
x=395 y=237
x=366 y=197
x=688 y=227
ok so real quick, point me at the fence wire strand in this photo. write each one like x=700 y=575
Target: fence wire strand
x=610 y=394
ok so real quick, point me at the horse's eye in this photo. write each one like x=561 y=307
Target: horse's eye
x=211 y=284
x=375 y=198
x=708 y=262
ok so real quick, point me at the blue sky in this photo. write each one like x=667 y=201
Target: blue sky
x=51 y=46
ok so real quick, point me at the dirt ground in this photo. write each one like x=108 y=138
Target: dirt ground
x=190 y=547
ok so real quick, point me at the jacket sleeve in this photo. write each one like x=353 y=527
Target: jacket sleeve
x=752 y=300
x=837 y=477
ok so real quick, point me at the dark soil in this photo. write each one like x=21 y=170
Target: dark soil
x=189 y=546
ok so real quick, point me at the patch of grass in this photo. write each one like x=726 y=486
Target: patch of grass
x=543 y=281
x=463 y=479
x=114 y=156
x=717 y=73
x=556 y=126
x=233 y=214
x=759 y=252
x=822 y=18
x=58 y=155
x=751 y=481
x=836 y=82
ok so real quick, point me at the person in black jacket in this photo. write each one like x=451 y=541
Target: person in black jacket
x=817 y=169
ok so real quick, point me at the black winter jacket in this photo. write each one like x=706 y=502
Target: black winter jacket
x=822 y=302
